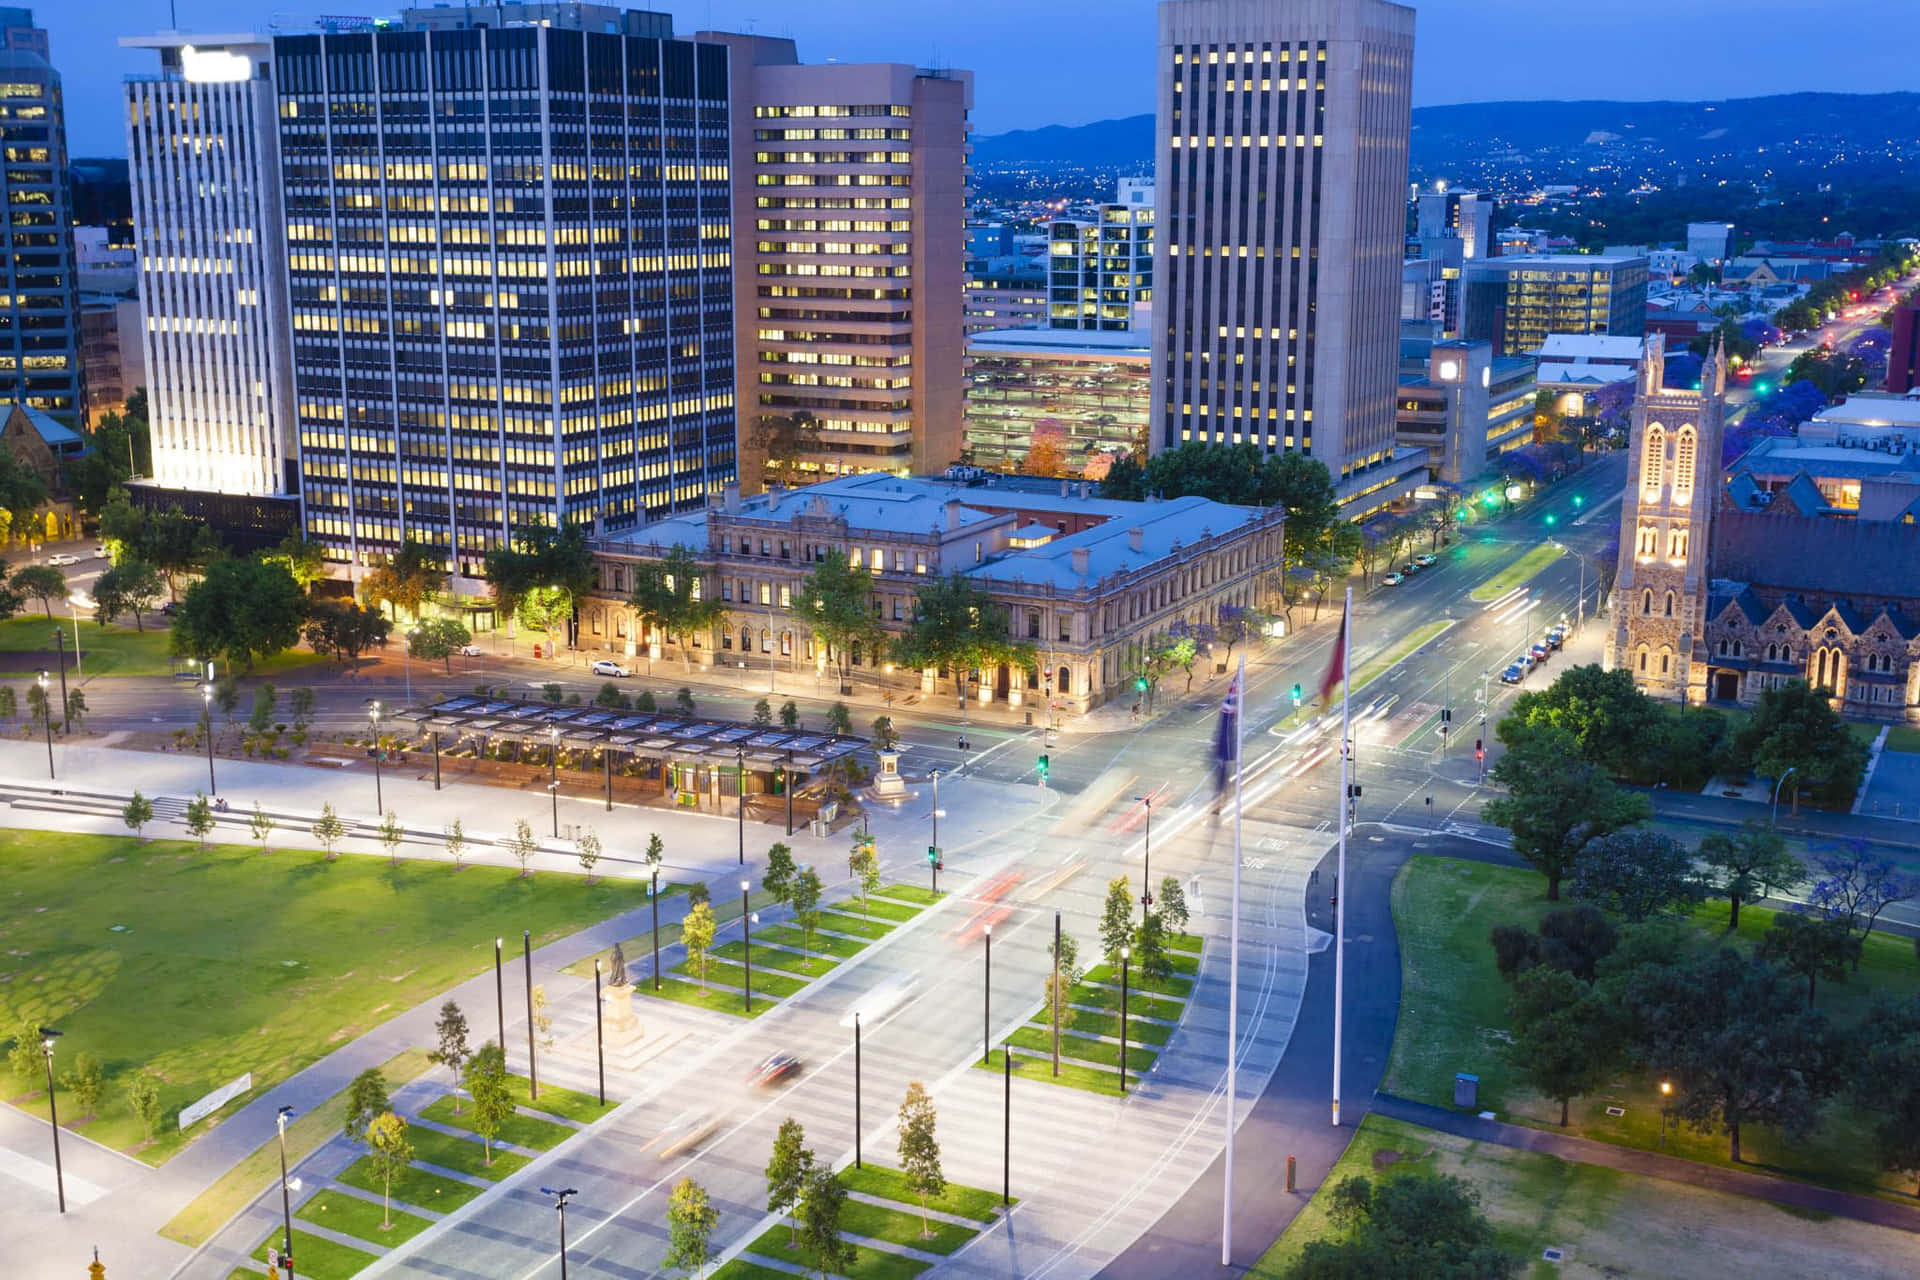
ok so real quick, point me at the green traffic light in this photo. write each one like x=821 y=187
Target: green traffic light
x=1579 y=501
x=1549 y=519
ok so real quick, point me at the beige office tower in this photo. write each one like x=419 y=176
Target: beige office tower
x=1281 y=173
x=849 y=210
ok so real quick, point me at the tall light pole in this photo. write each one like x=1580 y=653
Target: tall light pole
x=789 y=790
x=561 y=1196
x=1774 y=820
x=856 y=1089
x=206 y=719
x=533 y=1065
x=746 y=925
x=986 y=999
x=1125 y=952
x=1146 y=867
x=500 y=997
x=933 y=850
x=1666 y=1092
x=740 y=798
x=373 y=715
x=47 y=1036
x=60 y=646
x=654 y=898
x=599 y=1035
x=47 y=708
x=74 y=603
x=1053 y=996
x=286 y=1193
x=553 y=774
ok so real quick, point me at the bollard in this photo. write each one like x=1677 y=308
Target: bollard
x=1289 y=1175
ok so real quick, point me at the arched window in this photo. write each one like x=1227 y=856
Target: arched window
x=1647 y=544
x=1786 y=653
x=1723 y=648
x=1666 y=661
x=1652 y=460
x=1643 y=659
x=1683 y=460
x=1646 y=601
x=1773 y=651
x=746 y=639
x=1669 y=604
x=1066 y=680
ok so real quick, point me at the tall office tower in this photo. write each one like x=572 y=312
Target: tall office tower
x=508 y=261
x=40 y=314
x=1099 y=270
x=850 y=293
x=1282 y=176
x=1466 y=216
x=203 y=155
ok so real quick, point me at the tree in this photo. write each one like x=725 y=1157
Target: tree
x=25 y=1058
x=143 y=1099
x=1609 y=719
x=919 y=1150
x=839 y=719
x=1886 y=1083
x=392 y=1153
x=450 y=1048
x=200 y=818
x=343 y=629
x=548 y=610
x=1411 y=1225
x=1044 y=456
x=1745 y=1047
x=439 y=638
x=39 y=708
x=1556 y=802
x=329 y=830
x=587 y=849
x=137 y=814
x=656 y=851
x=789 y=715
x=85 y=1082
x=542 y=1016
x=1150 y=947
x=781 y=440
x=683 y=701
x=407 y=578
x=456 y=842
x=763 y=713
x=243 y=610
x=42 y=582
x=1636 y=873
x=493 y=1104
x=1749 y=865
x=1116 y=920
x=1237 y=625
x=126 y=588
x=300 y=705
x=787 y=1170
x=832 y=603
x=669 y=595
x=777 y=879
x=696 y=931
x=1794 y=728
x=522 y=845
x=691 y=1219
x=864 y=865
x=806 y=906
x=366 y=1098
x=820 y=1223
x=1567 y=1040
x=306 y=561
x=76 y=709
x=1855 y=886
x=260 y=719
x=260 y=824
x=1814 y=947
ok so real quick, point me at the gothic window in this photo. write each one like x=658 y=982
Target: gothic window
x=1683 y=460
x=1669 y=604
x=1736 y=648
x=1666 y=661
x=1677 y=544
x=1786 y=653
x=1643 y=659
x=1647 y=542
x=1652 y=459
x=1773 y=651
x=1646 y=601
x=1723 y=648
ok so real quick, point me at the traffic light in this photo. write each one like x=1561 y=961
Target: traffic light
x=1579 y=501
x=1550 y=517
x=1140 y=683
x=933 y=855
x=1296 y=695
x=1043 y=768
x=1479 y=749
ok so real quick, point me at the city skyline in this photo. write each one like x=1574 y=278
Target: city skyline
x=1484 y=52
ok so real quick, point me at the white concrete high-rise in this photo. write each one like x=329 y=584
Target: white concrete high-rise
x=1281 y=178
x=204 y=159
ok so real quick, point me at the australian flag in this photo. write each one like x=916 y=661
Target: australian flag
x=1226 y=746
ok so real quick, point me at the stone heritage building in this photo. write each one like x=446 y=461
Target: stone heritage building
x=1088 y=582
x=1798 y=561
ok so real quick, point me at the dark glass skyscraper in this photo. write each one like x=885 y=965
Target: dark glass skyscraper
x=509 y=276
x=39 y=292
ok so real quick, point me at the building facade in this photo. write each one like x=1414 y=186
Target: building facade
x=1463 y=406
x=849 y=295
x=1281 y=177
x=510 y=275
x=1515 y=302
x=1085 y=391
x=203 y=154
x=1099 y=270
x=1466 y=216
x=1008 y=292
x=1710 y=243
x=1088 y=583
x=40 y=361
x=110 y=349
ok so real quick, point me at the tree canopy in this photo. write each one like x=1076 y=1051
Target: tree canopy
x=1556 y=801
x=671 y=594
x=1793 y=727
x=242 y=610
x=957 y=628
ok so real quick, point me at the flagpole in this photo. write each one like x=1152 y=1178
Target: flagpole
x=1233 y=967
x=1340 y=870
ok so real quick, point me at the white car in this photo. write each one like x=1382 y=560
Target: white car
x=1394 y=579
x=608 y=667
x=469 y=650
x=879 y=1002
x=63 y=558
x=100 y=552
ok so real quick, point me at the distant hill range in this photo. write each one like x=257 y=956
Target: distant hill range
x=1679 y=130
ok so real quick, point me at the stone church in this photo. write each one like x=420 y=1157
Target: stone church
x=1800 y=560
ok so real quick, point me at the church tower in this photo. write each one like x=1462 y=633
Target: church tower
x=1673 y=488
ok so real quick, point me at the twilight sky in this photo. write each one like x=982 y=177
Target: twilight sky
x=1073 y=61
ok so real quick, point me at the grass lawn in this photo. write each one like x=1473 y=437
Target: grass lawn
x=909 y=893
x=868 y=1263
x=1178 y=984
x=719 y=999
x=1185 y=942
x=520 y=1130
x=1518 y=573
x=357 y=1217
x=556 y=1101
x=26 y=647
x=793 y=938
x=1453 y=1018
x=1039 y=1066
x=1104 y=1053
x=162 y=956
x=210 y=1210
x=414 y=1186
x=725 y=974
x=462 y=1156
x=639 y=949
x=1610 y=1223
x=877 y=906
x=1088 y=1023
x=901 y=1226
x=1108 y=999
x=1903 y=737
x=777 y=958
x=854 y=926
x=742 y=1269
x=891 y=1184
x=316 y=1257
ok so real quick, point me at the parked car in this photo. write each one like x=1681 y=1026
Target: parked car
x=170 y=607
x=100 y=552
x=1538 y=653
x=1409 y=568
x=608 y=667
x=1394 y=579
x=469 y=650
x=1426 y=560
x=63 y=558
x=1556 y=636
x=1514 y=674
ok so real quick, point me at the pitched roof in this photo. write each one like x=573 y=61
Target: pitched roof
x=1820 y=557
x=50 y=430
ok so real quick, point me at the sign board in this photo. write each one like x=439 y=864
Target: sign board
x=214 y=1101
x=214 y=66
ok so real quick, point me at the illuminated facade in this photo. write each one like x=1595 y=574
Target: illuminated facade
x=1281 y=178
x=1008 y=292
x=39 y=287
x=849 y=298
x=1098 y=271
x=509 y=274
x=204 y=158
x=1515 y=302
x=1088 y=392
x=1463 y=406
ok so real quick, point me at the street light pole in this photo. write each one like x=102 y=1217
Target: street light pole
x=933 y=863
x=500 y=997
x=60 y=646
x=654 y=897
x=206 y=712
x=533 y=1065
x=856 y=1089
x=746 y=925
x=599 y=1035
x=740 y=798
x=47 y=1036
x=986 y=1000
x=1006 y=1121
x=561 y=1196
x=1053 y=996
x=286 y=1194
x=553 y=774
x=47 y=709
x=1125 y=952
x=379 y=803
x=1146 y=867
x=789 y=791
x=1774 y=820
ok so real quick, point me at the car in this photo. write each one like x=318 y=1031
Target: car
x=1538 y=653
x=170 y=608
x=1556 y=636
x=1394 y=579
x=1426 y=560
x=608 y=667
x=1410 y=568
x=100 y=552
x=687 y=1132
x=469 y=650
x=883 y=999
x=63 y=558
x=778 y=1069
x=1514 y=674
